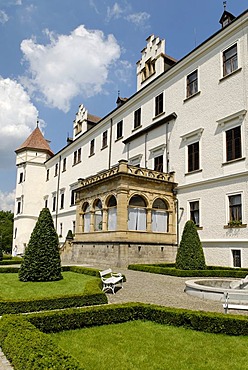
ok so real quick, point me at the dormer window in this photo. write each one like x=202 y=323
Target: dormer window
x=148 y=70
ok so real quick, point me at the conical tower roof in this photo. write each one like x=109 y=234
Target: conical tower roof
x=35 y=141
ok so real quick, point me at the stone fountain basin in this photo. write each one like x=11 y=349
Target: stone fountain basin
x=214 y=290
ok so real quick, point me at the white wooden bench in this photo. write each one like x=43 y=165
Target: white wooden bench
x=111 y=281
x=233 y=306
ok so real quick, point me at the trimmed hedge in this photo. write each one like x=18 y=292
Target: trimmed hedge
x=26 y=345
x=92 y=295
x=27 y=348
x=10 y=262
x=72 y=319
x=172 y=271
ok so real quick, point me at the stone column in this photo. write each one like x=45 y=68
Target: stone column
x=92 y=223
x=149 y=220
x=122 y=214
x=104 y=219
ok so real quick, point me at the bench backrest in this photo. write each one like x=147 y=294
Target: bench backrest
x=105 y=272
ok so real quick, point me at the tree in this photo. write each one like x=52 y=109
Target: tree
x=190 y=254
x=41 y=261
x=6 y=230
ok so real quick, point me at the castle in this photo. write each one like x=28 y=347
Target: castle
x=126 y=183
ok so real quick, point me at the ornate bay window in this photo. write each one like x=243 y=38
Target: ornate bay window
x=126 y=204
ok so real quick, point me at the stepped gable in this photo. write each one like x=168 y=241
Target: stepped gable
x=35 y=141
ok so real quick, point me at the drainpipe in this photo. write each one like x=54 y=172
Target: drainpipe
x=167 y=149
x=146 y=150
x=57 y=195
x=110 y=142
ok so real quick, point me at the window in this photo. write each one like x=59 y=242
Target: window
x=54 y=203
x=233 y=144
x=74 y=157
x=47 y=175
x=230 y=60
x=119 y=133
x=73 y=197
x=79 y=155
x=236 y=254
x=92 y=147
x=137 y=213
x=19 y=207
x=86 y=217
x=193 y=157
x=235 y=209
x=158 y=163
x=46 y=203
x=137 y=118
x=192 y=83
x=112 y=213
x=62 y=200
x=98 y=215
x=159 y=104
x=61 y=230
x=159 y=216
x=15 y=233
x=194 y=212
x=104 y=139
x=64 y=164
x=21 y=177
x=56 y=169
x=73 y=227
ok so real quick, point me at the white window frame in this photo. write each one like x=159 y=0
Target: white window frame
x=200 y=208
x=236 y=42
x=229 y=122
x=240 y=192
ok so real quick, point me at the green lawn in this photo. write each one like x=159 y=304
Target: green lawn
x=147 y=345
x=12 y=288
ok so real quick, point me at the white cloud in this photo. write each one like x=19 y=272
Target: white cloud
x=3 y=17
x=17 y=119
x=7 y=201
x=123 y=71
x=139 y=19
x=115 y=12
x=93 y=5
x=70 y=65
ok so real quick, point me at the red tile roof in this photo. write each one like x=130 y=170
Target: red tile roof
x=35 y=141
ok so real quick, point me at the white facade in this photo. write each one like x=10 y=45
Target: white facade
x=193 y=118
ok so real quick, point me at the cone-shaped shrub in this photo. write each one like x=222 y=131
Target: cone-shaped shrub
x=190 y=254
x=41 y=261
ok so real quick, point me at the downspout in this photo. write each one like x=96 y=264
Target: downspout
x=110 y=142
x=57 y=196
x=167 y=149
x=146 y=150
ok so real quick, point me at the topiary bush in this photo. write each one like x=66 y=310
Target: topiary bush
x=41 y=261
x=190 y=254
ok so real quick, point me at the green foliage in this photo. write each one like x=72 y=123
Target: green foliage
x=41 y=260
x=29 y=349
x=211 y=271
x=6 y=231
x=110 y=314
x=91 y=295
x=190 y=254
x=69 y=235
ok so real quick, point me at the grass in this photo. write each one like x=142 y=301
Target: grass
x=147 y=345
x=12 y=288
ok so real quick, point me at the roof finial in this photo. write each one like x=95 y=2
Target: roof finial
x=119 y=93
x=37 y=121
x=224 y=4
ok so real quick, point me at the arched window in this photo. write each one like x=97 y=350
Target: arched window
x=98 y=215
x=137 y=213
x=112 y=213
x=159 y=216
x=86 y=218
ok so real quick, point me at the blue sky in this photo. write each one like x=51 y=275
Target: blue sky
x=57 y=54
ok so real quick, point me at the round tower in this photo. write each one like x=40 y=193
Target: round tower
x=30 y=185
